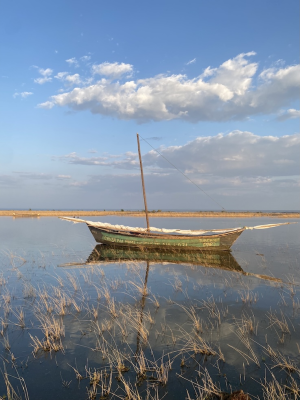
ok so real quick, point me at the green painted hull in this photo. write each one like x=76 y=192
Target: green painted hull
x=215 y=259
x=133 y=239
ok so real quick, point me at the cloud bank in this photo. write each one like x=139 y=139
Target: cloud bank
x=237 y=154
x=239 y=170
x=232 y=91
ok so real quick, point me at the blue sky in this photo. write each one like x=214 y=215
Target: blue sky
x=79 y=79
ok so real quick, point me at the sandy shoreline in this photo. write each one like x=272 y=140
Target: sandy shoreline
x=162 y=214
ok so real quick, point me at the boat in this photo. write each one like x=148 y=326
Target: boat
x=25 y=215
x=150 y=237
x=138 y=237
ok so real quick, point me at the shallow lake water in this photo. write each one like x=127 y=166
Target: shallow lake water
x=79 y=322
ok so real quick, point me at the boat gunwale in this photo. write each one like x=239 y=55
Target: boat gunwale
x=163 y=236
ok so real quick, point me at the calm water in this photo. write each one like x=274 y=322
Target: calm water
x=197 y=320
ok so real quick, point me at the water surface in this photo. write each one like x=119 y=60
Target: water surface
x=196 y=320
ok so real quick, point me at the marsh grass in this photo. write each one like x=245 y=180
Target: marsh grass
x=144 y=341
x=279 y=322
x=20 y=315
x=273 y=389
x=53 y=331
x=12 y=391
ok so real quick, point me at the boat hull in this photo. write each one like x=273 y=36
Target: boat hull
x=132 y=239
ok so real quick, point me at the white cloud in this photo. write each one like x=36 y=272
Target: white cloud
x=218 y=94
x=69 y=79
x=45 y=72
x=235 y=75
x=114 y=70
x=72 y=61
x=61 y=75
x=78 y=184
x=41 y=81
x=191 y=61
x=85 y=58
x=63 y=177
x=289 y=114
x=125 y=161
x=47 y=105
x=73 y=79
x=40 y=176
x=73 y=158
x=22 y=94
x=46 y=76
x=34 y=175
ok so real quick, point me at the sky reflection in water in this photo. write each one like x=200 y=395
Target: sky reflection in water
x=41 y=255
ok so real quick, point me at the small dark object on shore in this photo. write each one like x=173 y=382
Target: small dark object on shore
x=237 y=395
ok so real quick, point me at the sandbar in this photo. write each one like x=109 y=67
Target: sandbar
x=152 y=214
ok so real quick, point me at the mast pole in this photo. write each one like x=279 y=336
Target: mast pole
x=143 y=183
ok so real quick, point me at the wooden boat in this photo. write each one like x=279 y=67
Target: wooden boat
x=119 y=235
x=151 y=240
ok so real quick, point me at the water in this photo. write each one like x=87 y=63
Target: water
x=197 y=321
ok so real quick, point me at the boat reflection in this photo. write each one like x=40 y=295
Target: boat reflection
x=216 y=259
x=104 y=254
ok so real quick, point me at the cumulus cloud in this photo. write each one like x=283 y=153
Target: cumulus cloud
x=72 y=61
x=22 y=94
x=73 y=79
x=289 y=114
x=68 y=79
x=46 y=76
x=61 y=75
x=41 y=81
x=113 y=70
x=218 y=94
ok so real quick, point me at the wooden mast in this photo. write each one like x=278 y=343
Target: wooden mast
x=143 y=183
